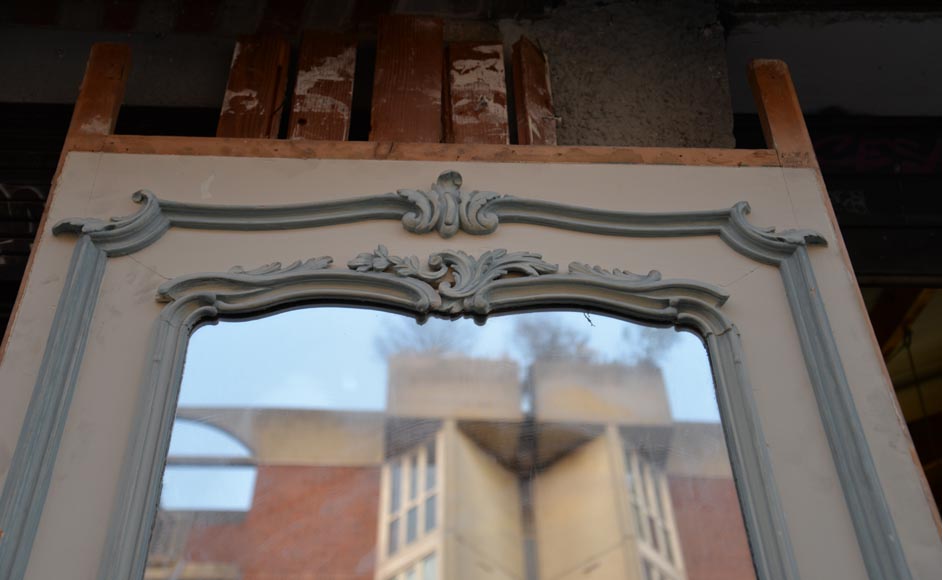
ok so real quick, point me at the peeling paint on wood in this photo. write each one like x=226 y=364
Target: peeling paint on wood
x=477 y=102
x=323 y=92
x=255 y=93
x=536 y=119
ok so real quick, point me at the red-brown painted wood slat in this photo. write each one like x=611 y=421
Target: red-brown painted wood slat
x=255 y=93
x=102 y=91
x=533 y=100
x=407 y=87
x=323 y=89
x=477 y=94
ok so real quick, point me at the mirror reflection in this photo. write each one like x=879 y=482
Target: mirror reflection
x=343 y=443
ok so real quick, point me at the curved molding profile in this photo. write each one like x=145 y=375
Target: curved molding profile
x=446 y=209
x=450 y=283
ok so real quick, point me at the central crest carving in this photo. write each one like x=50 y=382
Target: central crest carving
x=458 y=277
x=446 y=209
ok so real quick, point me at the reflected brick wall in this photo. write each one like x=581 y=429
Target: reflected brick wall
x=712 y=536
x=306 y=523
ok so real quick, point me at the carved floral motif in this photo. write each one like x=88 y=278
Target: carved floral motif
x=458 y=277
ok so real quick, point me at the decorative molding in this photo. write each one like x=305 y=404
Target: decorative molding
x=30 y=472
x=454 y=284
x=122 y=235
x=480 y=213
x=468 y=277
x=444 y=209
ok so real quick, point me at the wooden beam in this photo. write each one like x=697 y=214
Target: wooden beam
x=94 y=117
x=323 y=90
x=533 y=99
x=255 y=94
x=477 y=94
x=102 y=91
x=895 y=310
x=407 y=87
x=780 y=113
x=302 y=149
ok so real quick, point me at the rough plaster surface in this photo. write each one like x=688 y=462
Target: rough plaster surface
x=640 y=73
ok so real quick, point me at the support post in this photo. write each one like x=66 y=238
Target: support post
x=780 y=113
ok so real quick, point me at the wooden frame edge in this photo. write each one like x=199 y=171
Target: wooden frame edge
x=303 y=149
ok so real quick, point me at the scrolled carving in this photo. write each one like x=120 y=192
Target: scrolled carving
x=457 y=276
x=294 y=267
x=614 y=273
x=447 y=209
x=123 y=235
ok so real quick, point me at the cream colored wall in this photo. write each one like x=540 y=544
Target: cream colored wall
x=484 y=530
x=73 y=526
x=581 y=530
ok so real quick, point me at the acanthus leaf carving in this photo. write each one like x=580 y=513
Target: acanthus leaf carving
x=457 y=276
x=614 y=273
x=297 y=266
x=447 y=209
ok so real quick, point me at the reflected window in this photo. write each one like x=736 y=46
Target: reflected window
x=359 y=444
x=419 y=504
x=207 y=470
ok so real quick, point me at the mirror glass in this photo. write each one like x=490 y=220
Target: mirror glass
x=345 y=443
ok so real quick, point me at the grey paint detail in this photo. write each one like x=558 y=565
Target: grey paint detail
x=30 y=474
x=444 y=209
x=498 y=281
x=479 y=213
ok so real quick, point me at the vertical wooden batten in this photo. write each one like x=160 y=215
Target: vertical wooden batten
x=533 y=99
x=780 y=113
x=323 y=90
x=99 y=100
x=95 y=114
x=476 y=106
x=255 y=93
x=407 y=87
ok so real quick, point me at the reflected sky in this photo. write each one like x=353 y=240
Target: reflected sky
x=328 y=358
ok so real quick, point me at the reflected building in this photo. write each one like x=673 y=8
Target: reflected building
x=476 y=470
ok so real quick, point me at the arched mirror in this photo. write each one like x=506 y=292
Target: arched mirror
x=339 y=442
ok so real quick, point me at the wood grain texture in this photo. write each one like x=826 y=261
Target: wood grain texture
x=323 y=90
x=780 y=113
x=301 y=149
x=102 y=91
x=407 y=87
x=476 y=106
x=533 y=99
x=255 y=94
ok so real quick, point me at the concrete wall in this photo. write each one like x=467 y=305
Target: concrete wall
x=642 y=73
